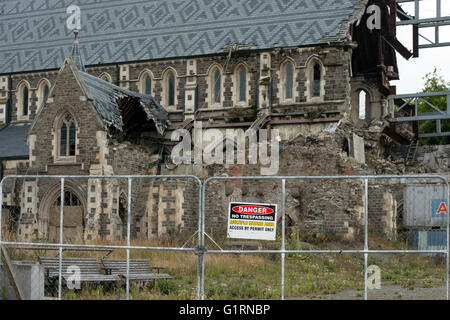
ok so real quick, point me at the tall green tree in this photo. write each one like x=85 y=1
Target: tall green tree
x=434 y=82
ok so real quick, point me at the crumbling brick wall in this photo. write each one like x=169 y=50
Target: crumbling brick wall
x=315 y=207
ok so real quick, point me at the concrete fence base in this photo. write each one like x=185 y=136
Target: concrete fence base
x=30 y=276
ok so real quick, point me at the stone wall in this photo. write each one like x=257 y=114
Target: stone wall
x=191 y=73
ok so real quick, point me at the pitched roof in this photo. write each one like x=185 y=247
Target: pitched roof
x=34 y=34
x=13 y=145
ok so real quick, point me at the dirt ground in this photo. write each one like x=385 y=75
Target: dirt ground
x=388 y=291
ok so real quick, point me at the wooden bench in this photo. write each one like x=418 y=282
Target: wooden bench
x=90 y=270
x=139 y=270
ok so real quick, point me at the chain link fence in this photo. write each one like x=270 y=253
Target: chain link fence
x=174 y=237
x=102 y=237
x=347 y=237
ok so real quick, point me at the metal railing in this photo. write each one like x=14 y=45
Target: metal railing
x=201 y=249
x=61 y=245
x=366 y=251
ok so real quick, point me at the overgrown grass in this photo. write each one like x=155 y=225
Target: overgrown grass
x=258 y=276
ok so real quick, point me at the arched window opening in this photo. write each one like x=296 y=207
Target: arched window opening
x=67 y=137
x=45 y=92
x=242 y=81
x=147 y=85
x=171 y=90
x=42 y=93
x=217 y=82
x=25 y=101
x=316 y=80
x=362 y=104
x=288 y=81
x=70 y=200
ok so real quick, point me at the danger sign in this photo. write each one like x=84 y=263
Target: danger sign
x=438 y=208
x=256 y=221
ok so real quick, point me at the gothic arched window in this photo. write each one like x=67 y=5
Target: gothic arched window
x=46 y=91
x=169 y=89
x=147 y=85
x=145 y=82
x=23 y=98
x=242 y=84
x=42 y=93
x=67 y=137
x=216 y=85
x=316 y=80
x=362 y=104
x=288 y=81
x=25 y=101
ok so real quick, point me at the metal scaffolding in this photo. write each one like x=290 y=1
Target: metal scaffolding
x=436 y=22
x=408 y=110
x=405 y=107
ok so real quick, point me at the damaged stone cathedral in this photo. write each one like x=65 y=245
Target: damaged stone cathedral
x=107 y=102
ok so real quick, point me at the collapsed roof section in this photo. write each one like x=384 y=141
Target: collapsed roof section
x=116 y=105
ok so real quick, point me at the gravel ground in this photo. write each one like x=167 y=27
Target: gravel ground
x=388 y=291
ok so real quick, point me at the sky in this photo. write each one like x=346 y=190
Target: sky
x=413 y=70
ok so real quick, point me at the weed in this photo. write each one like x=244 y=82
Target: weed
x=4 y=295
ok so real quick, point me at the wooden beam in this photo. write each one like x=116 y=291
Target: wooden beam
x=7 y=265
x=392 y=18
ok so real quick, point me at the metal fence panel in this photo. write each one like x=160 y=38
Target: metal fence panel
x=197 y=259
x=93 y=238
x=366 y=184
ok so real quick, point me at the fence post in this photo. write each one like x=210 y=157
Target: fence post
x=448 y=236
x=128 y=239
x=1 y=209
x=61 y=239
x=283 y=240
x=202 y=246
x=200 y=279
x=366 y=233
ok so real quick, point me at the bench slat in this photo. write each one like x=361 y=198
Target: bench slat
x=90 y=270
x=139 y=269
